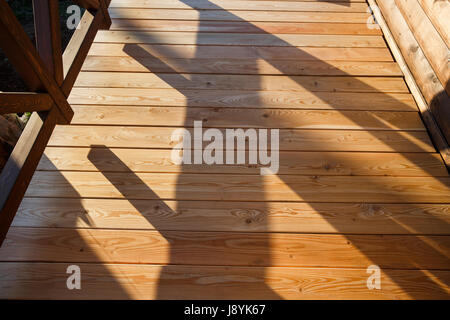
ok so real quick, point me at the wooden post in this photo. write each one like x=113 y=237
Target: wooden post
x=48 y=36
x=106 y=18
x=22 y=163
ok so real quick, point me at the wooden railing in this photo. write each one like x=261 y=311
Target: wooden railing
x=49 y=75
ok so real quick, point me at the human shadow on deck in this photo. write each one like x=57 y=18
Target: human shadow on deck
x=370 y=208
x=188 y=242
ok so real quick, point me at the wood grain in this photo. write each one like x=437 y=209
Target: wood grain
x=244 y=99
x=238 y=39
x=438 y=12
x=242 y=66
x=289 y=139
x=230 y=249
x=246 y=118
x=242 y=5
x=117 y=281
x=153 y=186
x=244 y=27
x=429 y=39
x=234 y=15
x=298 y=163
x=182 y=81
x=298 y=217
x=227 y=52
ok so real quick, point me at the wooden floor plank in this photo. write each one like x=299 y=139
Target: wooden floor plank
x=112 y=281
x=298 y=163
x=247 y=118
x=231 y=249
x=289 y=139
x=244 y=99
x=233 y=39
x=227 y=52
x=300 y=217
x=244 y=27
x=242 y=5
x=154 y=186
x=242 y=66
x=234 y=15
x=182 y=81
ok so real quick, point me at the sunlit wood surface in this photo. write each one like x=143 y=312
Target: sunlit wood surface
x=359 y=184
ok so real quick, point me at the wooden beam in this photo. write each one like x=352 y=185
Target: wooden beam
x=78 y=48
x=48 y=36
x=88 y=4
x=22 y=163
x=24 y=57
x=106 y=18
x=13 y=102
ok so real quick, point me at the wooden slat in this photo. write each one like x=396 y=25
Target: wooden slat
x=21 y=164
x=300 y=217
x=299 y=163
x=428 y=38
x=115 y=281
x=78 y=48
x=242 y=5
x=242 y=66
x=14 y=102
x=244 y=27
x=412 y=52
x=289 y=139
x=154 y=186
x=244 y=99
x=438 y=12
x=227 y=52
x=247 y=118
x=76 y=40
x=247 y=16
x=231 y=39
x=182 y=81
x=231 y=249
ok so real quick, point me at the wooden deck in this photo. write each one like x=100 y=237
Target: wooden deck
x=360 y=183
